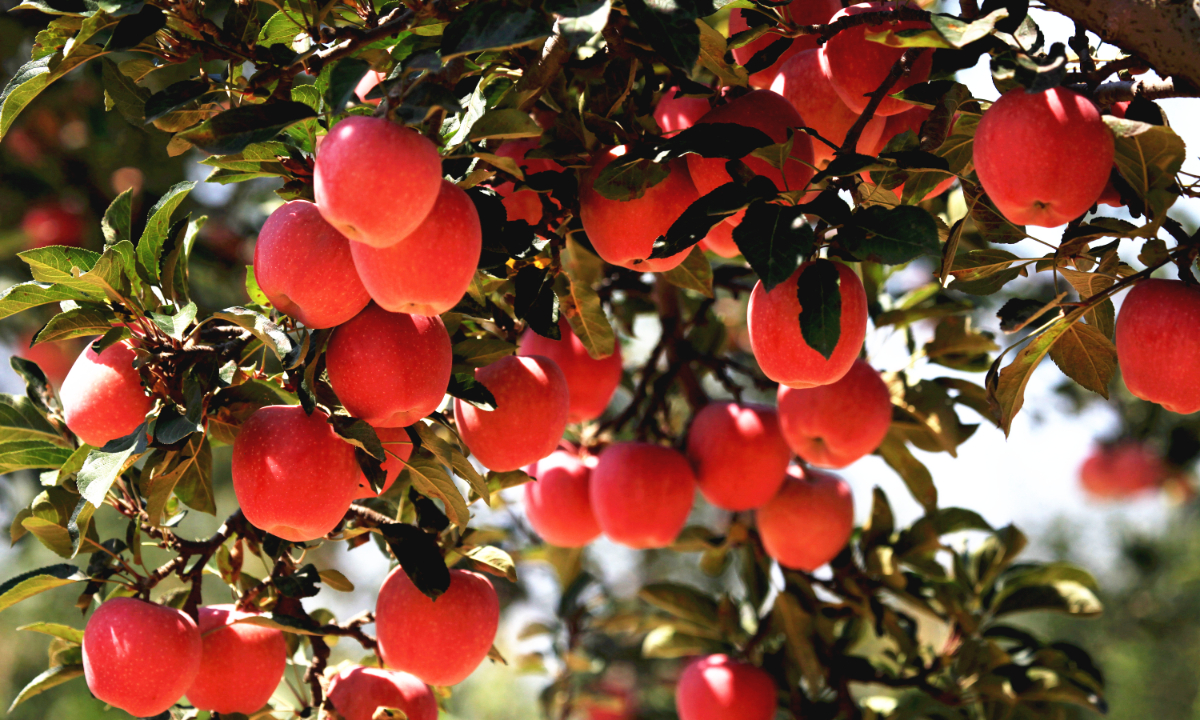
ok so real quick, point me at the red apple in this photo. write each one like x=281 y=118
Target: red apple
x=591 y=381
x=52 y=223
x=304 y=266
x=774 y=328
x=532 y=403
x=642 y=494
x=376 y=181
x=428 y=273
x=292 y=474
x=717 y=687
x=241 y=664
x=390 y=369
x=623 y=231
x=857 y=67
x=1158 y=343
x=367 y=84
x=358 y=692
x=833 y=425
x=738 y=454
x=140 y=657
x=559 y=504
x=800 y=12
x=54 y=358
x=1043 y=157
x=398 y=446
x=809 y=522
x=1121 y=470
x=524 y=204
x=102 y=396
x=720 y=240
x=440 y=641
x=675 y=112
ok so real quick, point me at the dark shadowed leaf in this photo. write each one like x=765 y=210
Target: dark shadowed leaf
x=494 y=26
x=914 y=474
x=773 y=238
x=819 y=291
x=233 y=130
x=670 y=30
x=628 y=178
x=892 y=236
x=420 y=556
x=1087 y=356
x=535 y=301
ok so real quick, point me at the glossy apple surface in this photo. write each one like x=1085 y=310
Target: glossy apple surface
x=642 y=494
x=834 y=425
x=857 y=67
x=240 y=665
x=102 y=396
x=358 y=692
x=591 y=381
x=809 y=522
x=800 y=12
x=717 y=687
x=1158 y=343
x=738 y=454
x=559 y=504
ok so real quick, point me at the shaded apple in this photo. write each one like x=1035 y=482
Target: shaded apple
x=800 y=12
x=591 y=381
x=809 y=522
x=358 y=692
x=398 y=446
x=559 y=504
x=1158 y=343
x=1121 y=470
x=523 y=204
x=720 y=241
x=738 y=454
x=642 y=494
x=675 y=112
x=241 y=664
x=857 y=66
x=717 y=687
x=102 y=396
x=833 y=425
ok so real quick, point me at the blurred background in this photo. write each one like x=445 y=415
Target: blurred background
x=67 y=158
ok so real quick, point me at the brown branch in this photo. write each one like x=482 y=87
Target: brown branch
x=1123 y=90
x=536 y=79
x=899 y=69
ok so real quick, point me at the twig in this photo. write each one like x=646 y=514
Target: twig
x=899 y=70
x=1123 y=90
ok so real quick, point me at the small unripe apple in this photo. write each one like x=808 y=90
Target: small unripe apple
x=833 y=425
x=857 y=67
x=532 y=403
x=390 y=369
x=717 y=687
x=720 y=240
x=429 y=273
x=642 y=494
x=591 y=381
x=800 y=12
x=738 y=453
x=675 y=112
x=358 y=692
x=102 y=396
x=523 y=204
x=139 y=656
x=559 y=504
x=779 y=347
x=1043 y=157
x=1121 y=470
x=809 y=522
x=304 y=267
x=1158 y=343
x=398 y=446
x=376 y=181
x=440 y=641
x=241 y=664
x=623 y=231
x=52 y=223
x=292 y=474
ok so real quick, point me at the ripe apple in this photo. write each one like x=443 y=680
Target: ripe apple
x=857 y=67
x=390 y=369
x=559 y=504
x=808 y=523
x=523 y=204
x=720 y=241
x=532 y=403
x=367 y=84
x=642 y=494
x=800 y=12
x=1121 y=470
x=428 y=274
x=55 y=359
x=440 y=641
x=591 y=381
x=293 y=476
x=1158 y=345
x=833 y=425
x=241 y=664
x=398 y=446
x=303 y=265
x=801 y=82
x=102 y=396
x=717 y=687
x=675 y=112
x=1043 y=157
x=778 y=344
x=358 y=692
x=139 y=656
x=52 y=223
x=376 y=181
x=738 y=454
x=623 y=231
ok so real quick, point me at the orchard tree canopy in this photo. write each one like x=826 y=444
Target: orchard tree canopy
x=482 y=199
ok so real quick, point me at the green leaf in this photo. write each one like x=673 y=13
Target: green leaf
x=70 y=634
x=713 y=48
x=20 y=421
x=1085 y=355
x=624 y=179
x=773 y=238
x=26 y=585
x=31 y=454
x=495 y=561
x=268 y=332
x=670 y=30
x=102 y=466
x=63 y=265
x=580 y=303
x=915 y=475
x=150 y=245
x=478 y=352
x=983 y=272
x=117 y=223
x=494 y=26
x=892 y=236
x=24 y=86
x=797 y=625
x=666 y=642
x=85 y=321
x=682 y=601
x=53 y=677
x=1008 y=388
x=281 y=28
x=122 y=93
x=959 y=34
x=1057 y=587
x=233 y=130
x=694 y=273
x=336 y=581
x=133 y=29
x=1148 y=157
x=431 y=480
x=257 y=296
x=819 y=291
x=22 y=296
x=504 y=124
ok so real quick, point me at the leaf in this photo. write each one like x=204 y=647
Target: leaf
x=451 y=455
x=233 y=130
x=335 y=580
x=133 y=29
x=58 y=264
x=262 y=328
x=797 y=626
x=419 y=556
x=86 y=321
x=670 y=30
x=431 y=480
x=694 y=273
x=53 y=677
x=819 y=291
x=26 y=585
x=627 y=179
x=504 y=124
x=174 y=97
x=22 y=296
x=102 y=466
x=892 y=236
x=1148 y=157
x=682 y=601
x=959 y=34
x=1057 y=587
x=666 y=642
x=983 y=272
x=713 y=47
x=708 y=211
x=118 y=219
x=494 y=26
x=773 y=238
x=535 y=301
x=31 y=454
x=20 y=420
x=495 y=561
x=579 y=302
x=121 y=92
x=1008 y=389
x=280 y=29
x=24 y=86
x=150 y=245
x=1086 y=356
x=915 y=475
x=70 y=634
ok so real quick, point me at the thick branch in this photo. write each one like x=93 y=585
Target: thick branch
x=1109 y=93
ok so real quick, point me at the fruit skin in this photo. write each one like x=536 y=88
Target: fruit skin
x=1121 y=470
x=358 y=692
x=800 y=12
x=591 y=381
x=559 y=504
x=720 y=241
x=623 y=231
x=532 y=403
x=642 y=494
x=738 y=454
x=809 y=522
x=398 y=446
x=443 y=641
x=801 y=82
x=717 y=687
x=674 y=113
x=240 y=665
x=1043 y=158
x=138 y=656
x=390 y=369
x=293 y=476
x=524 y=204
x=778 y=345
x=429 y=273
x=303 y=264
x=1158 y=343
x=833 y=425
x=52 y=223
x=376 y=181
x=102 y=395
x=857 y=66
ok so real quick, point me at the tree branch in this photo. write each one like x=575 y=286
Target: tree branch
x=899 y=70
